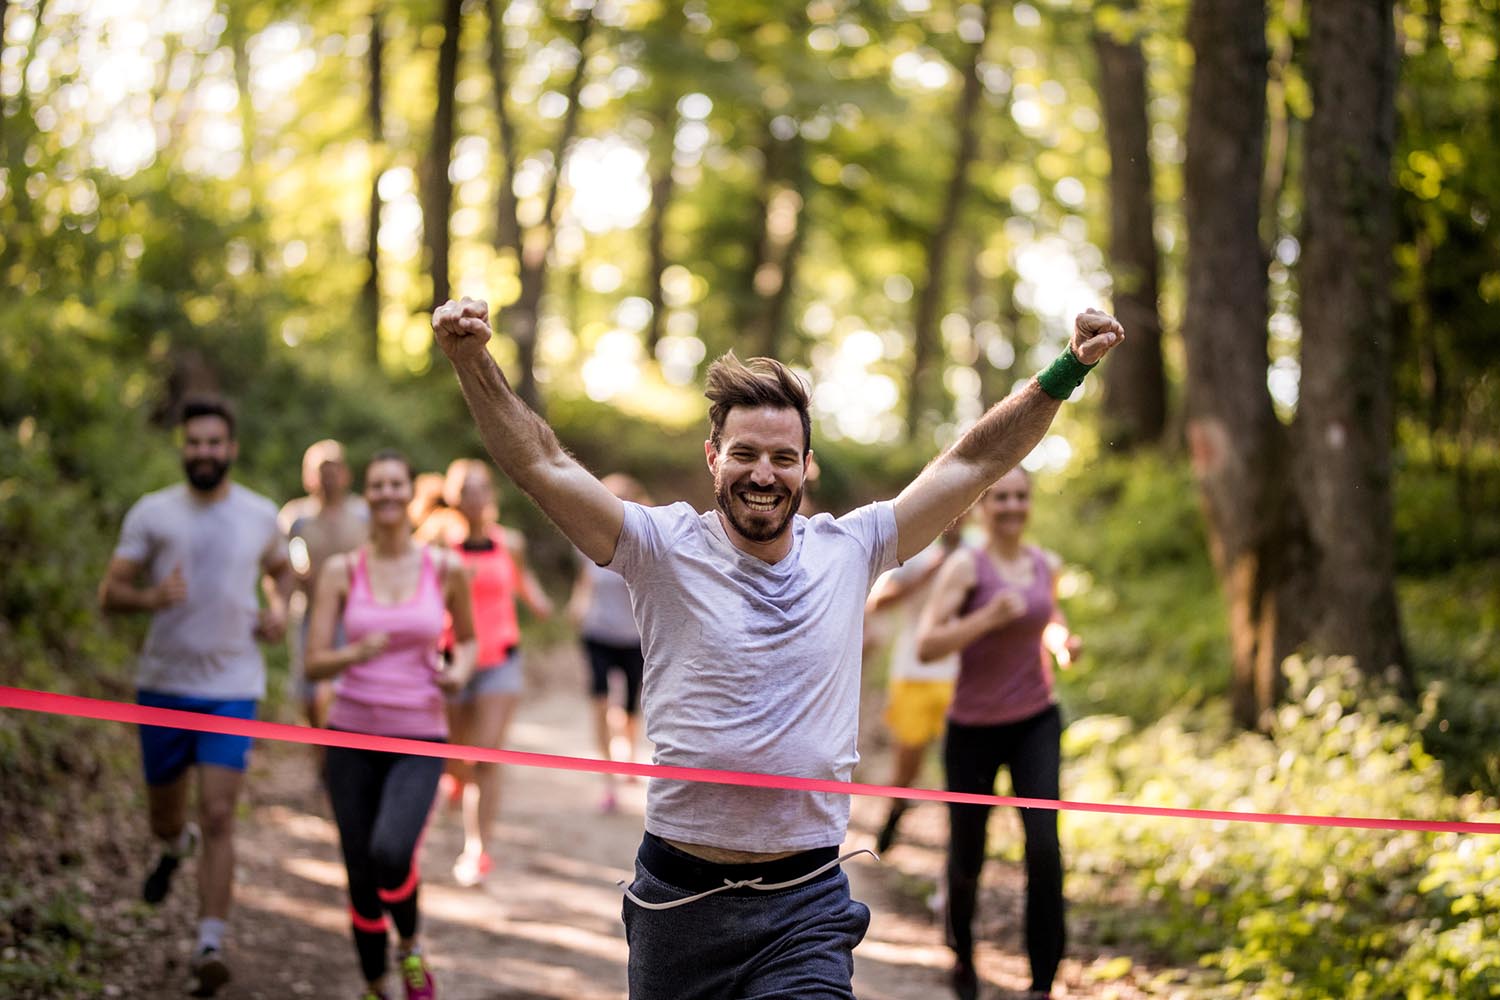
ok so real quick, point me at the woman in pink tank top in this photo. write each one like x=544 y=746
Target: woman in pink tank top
x=996 y=607
x=392 y=596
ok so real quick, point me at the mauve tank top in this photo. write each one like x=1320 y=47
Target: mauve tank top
x=396 y=692
x=1006 y=675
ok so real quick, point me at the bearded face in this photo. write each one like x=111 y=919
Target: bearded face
x=759 y=469
x=205 y=474
x=208 y=450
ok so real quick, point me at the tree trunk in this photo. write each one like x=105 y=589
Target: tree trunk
x=4 y=10
x=523 y=318
x=781 y=244
x=1239 y=450
x=438 y=189
x=370 y=294
x=663 y=150
x=930 y=298
x=507 y=224
x=1345 y=418
x=1135 y=390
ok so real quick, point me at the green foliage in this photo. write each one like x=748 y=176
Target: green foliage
x=1286 y=912
x=1139 y=587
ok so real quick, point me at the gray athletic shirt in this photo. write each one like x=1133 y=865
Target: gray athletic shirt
x=205 y=646
x=609 y=617
x=752 y=667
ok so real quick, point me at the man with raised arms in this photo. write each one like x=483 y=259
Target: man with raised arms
x=750 y=620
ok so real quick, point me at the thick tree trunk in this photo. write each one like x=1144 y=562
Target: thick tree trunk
x=1345 y=416
x=1238 y=448
x=1135 y=390
x=438 y=189
x=930 y=297
x=370 y=294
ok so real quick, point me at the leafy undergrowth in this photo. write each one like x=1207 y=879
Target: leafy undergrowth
x=1289 y=912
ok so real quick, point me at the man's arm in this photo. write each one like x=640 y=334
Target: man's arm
x=278 y=581
x=992 y=447
x=118 y=591
x=521 y=443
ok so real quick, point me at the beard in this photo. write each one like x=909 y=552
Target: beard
x=754 y=526
x=205 y=474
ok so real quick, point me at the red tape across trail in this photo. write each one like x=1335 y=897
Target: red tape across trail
x=116 y=711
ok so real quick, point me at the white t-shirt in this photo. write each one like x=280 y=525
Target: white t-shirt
x=752 y=666
x=204 y=646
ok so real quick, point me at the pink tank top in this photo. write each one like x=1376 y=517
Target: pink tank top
x=396 y=692
x=1006 y=675
x=493 y=581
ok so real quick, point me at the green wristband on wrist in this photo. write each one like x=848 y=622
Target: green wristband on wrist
x=1062 y=376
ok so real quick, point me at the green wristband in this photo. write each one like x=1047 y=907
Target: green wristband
x=1062 y=376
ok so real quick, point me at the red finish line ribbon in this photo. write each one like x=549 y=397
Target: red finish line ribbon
x=117 y=711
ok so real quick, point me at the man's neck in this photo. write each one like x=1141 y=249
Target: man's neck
x=771 y=552
x=214 y=495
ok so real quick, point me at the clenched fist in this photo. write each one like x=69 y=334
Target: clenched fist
x=462 y=328
x=1095 y=333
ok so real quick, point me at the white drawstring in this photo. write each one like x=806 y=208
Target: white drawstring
x=750 y=883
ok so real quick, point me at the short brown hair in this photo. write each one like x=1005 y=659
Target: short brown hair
x=207 y=406
x=757 y=382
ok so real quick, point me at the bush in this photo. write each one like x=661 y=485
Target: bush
x=1291 y=912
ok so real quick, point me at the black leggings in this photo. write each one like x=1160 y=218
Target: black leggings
x=973 y=756
x=605 y=657
x=380 y=802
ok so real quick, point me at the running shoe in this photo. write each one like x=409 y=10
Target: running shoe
x=471 y=869
x=159 y=882
x=416 y=978
x=209 y=972
x=609 y=804
x=965 y=981
x=371 y=995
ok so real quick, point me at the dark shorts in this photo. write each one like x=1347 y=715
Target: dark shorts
x=166 y=753
x=793 y=942
x=605 y=657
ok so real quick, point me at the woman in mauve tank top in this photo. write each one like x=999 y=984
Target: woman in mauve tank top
x=996 y=607
x=391 y=595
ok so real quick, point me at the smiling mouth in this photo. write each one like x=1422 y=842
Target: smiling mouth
x=761 y=503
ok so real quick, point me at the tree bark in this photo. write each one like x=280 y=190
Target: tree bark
x=782 y=233
x=663 y=151
x=1239 y=450
x=523 y=317
x=1345 y=415
x=370 y=293
x=930 y=298
x=507 y=225
x=1135 y=390
x=438 y=189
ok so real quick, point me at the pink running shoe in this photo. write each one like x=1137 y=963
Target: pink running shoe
x=416 y=978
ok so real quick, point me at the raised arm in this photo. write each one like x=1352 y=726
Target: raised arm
x=1000 y=439
x=521 y=443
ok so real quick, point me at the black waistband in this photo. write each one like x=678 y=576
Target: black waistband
x=695 y=875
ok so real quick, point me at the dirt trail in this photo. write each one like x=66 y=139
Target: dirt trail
x=547 y=922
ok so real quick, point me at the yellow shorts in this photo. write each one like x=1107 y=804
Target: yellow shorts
x=915 y=710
